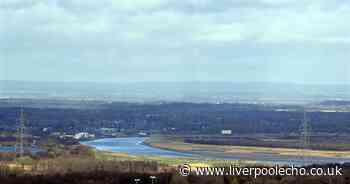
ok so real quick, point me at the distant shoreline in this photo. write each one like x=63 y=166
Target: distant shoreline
x=165 y=143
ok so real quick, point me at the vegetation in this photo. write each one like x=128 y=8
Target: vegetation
x=178 y=118
x=189 y=126
x=324 y=142
x=89 y=166
x=177 y=144
x=90 y=170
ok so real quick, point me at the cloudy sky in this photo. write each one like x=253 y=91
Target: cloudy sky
x=304 y=41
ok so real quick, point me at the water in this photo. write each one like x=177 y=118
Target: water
x=7 y=149
x=134 y=146
x=12 y=149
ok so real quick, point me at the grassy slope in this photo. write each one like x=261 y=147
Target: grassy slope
x=179 y=145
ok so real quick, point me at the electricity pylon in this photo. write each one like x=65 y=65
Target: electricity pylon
x=20 y=136
x=305 y=130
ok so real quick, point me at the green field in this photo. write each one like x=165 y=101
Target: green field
x=177 y=144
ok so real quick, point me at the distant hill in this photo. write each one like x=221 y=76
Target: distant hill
x=335 y=103
x=207 y=92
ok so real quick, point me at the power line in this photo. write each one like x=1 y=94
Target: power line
x=304 y=141
x=20 y=136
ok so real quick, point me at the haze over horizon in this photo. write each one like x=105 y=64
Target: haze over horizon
x=287 y=41
x=203 y=92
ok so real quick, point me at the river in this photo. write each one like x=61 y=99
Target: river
x=132 y=146
x=12 y=149
x=135 y=146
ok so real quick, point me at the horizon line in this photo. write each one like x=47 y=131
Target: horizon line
x=183 y=81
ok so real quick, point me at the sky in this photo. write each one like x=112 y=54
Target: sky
x=299 y=41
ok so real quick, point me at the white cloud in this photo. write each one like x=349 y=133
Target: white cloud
x=223 y=33
x=313 y=23
x=137 y=5
x=170 y=31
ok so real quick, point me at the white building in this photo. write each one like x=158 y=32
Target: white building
x=84 y=135
x=226 y=132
